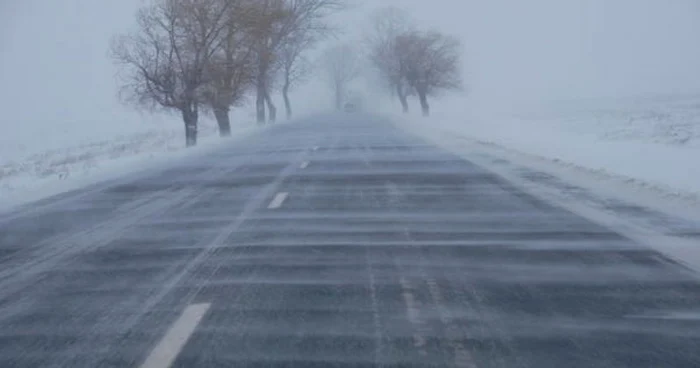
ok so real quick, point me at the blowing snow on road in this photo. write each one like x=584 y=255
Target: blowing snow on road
x=338 y=241
x=350 y=183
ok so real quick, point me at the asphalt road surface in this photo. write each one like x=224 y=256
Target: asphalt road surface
x=340 y=241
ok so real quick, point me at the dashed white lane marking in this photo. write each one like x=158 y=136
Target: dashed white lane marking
x=278 y=200
x=167 y=350
x=304 y=165
x=316 y=148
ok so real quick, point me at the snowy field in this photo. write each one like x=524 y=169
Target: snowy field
x=629 y=165
x=40 y=161
x=645 y=144
x=651 y=143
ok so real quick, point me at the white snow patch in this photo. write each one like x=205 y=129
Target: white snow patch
x=646 y=144
x=35 y=164
x=641 y=153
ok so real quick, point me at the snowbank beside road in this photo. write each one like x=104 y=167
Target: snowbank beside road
x=35 y=165
x=649 y=143
x=630 y=167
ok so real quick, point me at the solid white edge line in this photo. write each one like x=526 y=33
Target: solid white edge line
x=304 y=165
x=169 y=347
x=278 y=200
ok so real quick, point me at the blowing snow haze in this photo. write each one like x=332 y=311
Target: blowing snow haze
x=361 y=183
x=54 y=64
x=568 y=49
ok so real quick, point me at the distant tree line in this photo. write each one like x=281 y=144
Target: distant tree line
x=190 y=55
x=409 y=61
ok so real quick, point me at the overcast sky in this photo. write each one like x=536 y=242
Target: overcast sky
x=54 y=65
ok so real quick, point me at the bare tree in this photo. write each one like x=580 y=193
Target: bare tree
x=430 y=62
x=275 y=23
x=268 y=16
x=164 y=61
x=230 y=71
x=387 y=24
x=294 y=66
x=342 y=65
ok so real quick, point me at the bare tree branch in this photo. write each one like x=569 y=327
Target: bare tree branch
x=230 y=71
x=386 y=26
x=164 y=61
x=276 y=24
x=430 y=63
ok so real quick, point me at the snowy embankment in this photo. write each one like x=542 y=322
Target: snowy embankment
x=36 y=163
x=648 y=143
x=630 y=165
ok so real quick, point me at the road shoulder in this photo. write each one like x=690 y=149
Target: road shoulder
x=667 y=222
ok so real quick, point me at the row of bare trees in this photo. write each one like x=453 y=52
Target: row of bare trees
x=190 y=55
x=412 y=61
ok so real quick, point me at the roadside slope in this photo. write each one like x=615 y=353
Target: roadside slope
x=35 y=166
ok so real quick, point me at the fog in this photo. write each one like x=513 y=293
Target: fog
x=54 y=64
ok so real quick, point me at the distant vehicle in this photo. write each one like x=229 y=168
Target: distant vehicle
x=350 y=107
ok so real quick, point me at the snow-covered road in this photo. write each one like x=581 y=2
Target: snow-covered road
x=337 y=241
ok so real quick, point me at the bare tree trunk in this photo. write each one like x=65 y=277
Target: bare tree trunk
x=287 y=103
x=402 y=98
x=260 y=104
x=271 y=107
x=223 y=120
x=338 y=97
x=190 y=117
x=422 y=95
x=261 y=89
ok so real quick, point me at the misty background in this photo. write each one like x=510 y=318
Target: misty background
x=55 y=69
